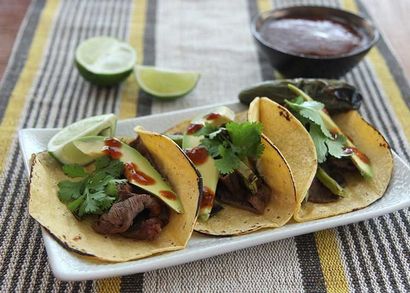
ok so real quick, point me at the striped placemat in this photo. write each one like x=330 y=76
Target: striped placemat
x=41 y=88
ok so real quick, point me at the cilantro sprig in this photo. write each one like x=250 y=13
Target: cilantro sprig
x=326 y=143
x=95 y=192
x=233 y=144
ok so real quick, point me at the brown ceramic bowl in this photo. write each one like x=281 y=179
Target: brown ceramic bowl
x=297 y=65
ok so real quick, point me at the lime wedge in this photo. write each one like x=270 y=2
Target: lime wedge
x=61 y=145
x=105 y=61
x=166 y=84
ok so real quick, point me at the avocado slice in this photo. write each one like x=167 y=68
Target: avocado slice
x=138 y=169
x=250 y=178
x=177 y=138
x=210 y=174
x=359 y=159
x=216 y=117
x=330 y=183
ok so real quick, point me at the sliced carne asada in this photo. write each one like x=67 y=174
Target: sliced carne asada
x=336 y=168
x=140 y=147
x=124 y=216
x=318 y=193
x=124 y=191
x=232 y=190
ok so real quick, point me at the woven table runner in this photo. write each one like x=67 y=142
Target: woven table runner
x=42 y=88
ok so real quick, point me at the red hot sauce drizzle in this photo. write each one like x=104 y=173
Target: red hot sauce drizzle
x=192 y=128
x=168 y=194
x=198 y=155
x=358 y=153
x=132 y=173
x=212 y=116
x=112 y=148
x=207 y=198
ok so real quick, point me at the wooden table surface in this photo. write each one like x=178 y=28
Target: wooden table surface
x=391 y=17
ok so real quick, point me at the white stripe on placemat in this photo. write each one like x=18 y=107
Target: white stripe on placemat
x=219 y=45
x=52 y=95
x=271 y=267
x=225 y=68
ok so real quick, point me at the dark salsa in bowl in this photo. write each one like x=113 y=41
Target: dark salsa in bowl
x=313 y=41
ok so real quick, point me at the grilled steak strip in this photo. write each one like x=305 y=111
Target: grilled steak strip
x=232 y=190
x=137 y=216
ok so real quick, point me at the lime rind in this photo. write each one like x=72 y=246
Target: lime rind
x=61 y=145
x=105 y=61
x=164 y=83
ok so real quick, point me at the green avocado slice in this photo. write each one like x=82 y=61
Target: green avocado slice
x=360 y=160
x=209 y=173
x=138 y=169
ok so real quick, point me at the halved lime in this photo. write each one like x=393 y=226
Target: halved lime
x=105 y=61
x=167 y=84
x=61 y=145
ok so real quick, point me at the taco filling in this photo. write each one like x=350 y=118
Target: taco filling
x=340 y=162
x=233 y=148
x=233 y=158
x=132 y=201
x=336 y=153
x=123 y=195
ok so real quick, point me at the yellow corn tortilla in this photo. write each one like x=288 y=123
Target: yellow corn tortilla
x=290 y=137
x=276 y=173
x=78 y=236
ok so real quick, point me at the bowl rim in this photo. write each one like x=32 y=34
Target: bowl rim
x=361 y=50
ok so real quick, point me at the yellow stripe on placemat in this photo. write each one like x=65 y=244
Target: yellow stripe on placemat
x=109 y=285
x=17 y=101
x=129 y=99
x=330 y=261
x=264 y=5
x=386 y=79
x=130 y=89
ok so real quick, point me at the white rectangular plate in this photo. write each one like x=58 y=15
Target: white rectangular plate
x=70 y=267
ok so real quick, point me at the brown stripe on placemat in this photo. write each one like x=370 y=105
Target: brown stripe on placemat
x=132 y=283
x=42 y=268
x=255 y=7
x=309 y=261
x=386 y=79
x=19 y=53
x=311 y=270
x=135 y=283
x=144 y=99
x=369 y=109
x=40 y=277
x=375 y=240
x=395 y=68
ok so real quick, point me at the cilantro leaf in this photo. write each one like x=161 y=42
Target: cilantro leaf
x=102 y=162
x=325 y=145
x=104 y=202
x=228 y=161
x=336 y=146
x=233 y=144
x=75 y=204
x=319 y=140
x=207 y=129
x=115 y=168
x=68 y=190
x=96 y=192
x=309 y=114
x=92 y=203
x=246 y=137
x=311 y=111
x=212 y=146
x=74 y=170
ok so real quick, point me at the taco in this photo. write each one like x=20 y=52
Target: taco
x=247 y=182
x=339 y=161
x=135 y=200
